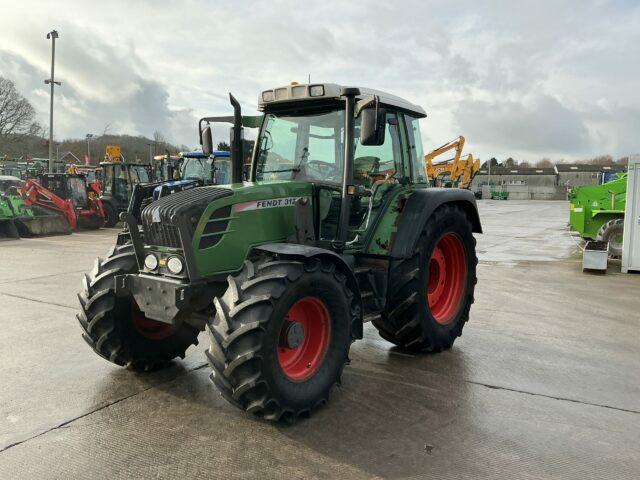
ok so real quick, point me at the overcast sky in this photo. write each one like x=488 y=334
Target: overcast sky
x=527 y=79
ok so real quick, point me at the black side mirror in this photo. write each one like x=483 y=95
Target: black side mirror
x=372 y=126
x=206 y=141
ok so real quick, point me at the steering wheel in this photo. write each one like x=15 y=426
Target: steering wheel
x=324 y=168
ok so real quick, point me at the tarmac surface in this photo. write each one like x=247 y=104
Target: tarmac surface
x=544 y=382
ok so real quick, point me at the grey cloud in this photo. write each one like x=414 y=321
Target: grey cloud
x=553 y=77
x=539 y=123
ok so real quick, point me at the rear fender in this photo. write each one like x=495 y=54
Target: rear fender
x=420 y=206
x=303 y=252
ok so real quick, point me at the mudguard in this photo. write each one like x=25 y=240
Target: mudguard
x=420 y=206
x=294 y=250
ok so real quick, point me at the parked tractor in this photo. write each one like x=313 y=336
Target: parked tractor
x=8 y=228
x=68 y=196
x=596 y=212
x=118 y=180
x=334 y=228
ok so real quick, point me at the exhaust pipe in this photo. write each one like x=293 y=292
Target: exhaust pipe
x=236 y=143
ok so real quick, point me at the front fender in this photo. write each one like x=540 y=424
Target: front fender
x=294 y=250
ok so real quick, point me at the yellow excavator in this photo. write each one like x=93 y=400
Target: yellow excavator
x=454 y=172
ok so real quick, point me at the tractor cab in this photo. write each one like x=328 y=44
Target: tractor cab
x=166 y=168
x=118 y=179
x=214 y=169
x=68 y=186
x=10 y=185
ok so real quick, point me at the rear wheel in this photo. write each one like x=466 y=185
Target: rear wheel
x=430 y=294
x=612 y=232
x=281 y=336
x=116 y=329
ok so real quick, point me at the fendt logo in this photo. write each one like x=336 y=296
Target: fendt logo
x=269 y=203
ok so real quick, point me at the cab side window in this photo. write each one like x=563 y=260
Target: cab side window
x=372 y=163
x=416 y=150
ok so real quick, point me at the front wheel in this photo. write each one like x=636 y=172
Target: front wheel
x=430 y=294
x=281 y=336
x=613 y=233
x=116 y=329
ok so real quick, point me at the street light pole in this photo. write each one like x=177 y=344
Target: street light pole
x=150 y=154
x=89 y=136
x=51 y=81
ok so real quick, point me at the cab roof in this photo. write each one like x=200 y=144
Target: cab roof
x=317 y=92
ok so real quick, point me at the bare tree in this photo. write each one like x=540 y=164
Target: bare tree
x=601 y=160
x=544 y=163
x=509 y=163
x=16 y=113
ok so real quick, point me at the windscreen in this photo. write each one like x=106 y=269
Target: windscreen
x=301 y=147
x=196 y=168
x=139 y=174
x=10 y=186
x=78 y=191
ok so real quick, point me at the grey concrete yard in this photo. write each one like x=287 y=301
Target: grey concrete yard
x=544 y=382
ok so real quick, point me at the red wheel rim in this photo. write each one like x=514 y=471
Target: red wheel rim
x=303 y=361
x=149 y=328
x=447 y=278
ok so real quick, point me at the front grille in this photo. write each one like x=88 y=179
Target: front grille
x=161 y=219
x=164 y=235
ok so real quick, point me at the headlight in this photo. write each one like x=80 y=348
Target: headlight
x=174 y=264
x=151 y=262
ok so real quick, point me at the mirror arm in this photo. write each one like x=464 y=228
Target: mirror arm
x=366 y=102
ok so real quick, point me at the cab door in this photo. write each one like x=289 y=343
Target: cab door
x=381 y=170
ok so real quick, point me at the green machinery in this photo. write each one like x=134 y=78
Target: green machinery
x=499 y=194
x=19 y=220
x=596 y=212
x=8 y=228
x=335 y=227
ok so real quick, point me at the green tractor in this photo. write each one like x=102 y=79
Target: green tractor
x=596 y=212
x=8 y=227
x=336 y=227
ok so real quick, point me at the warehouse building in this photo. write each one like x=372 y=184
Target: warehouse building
x=542 y=183
x=522 y=183
x=572 y=175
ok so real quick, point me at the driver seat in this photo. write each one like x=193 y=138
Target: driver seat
x=362 y=168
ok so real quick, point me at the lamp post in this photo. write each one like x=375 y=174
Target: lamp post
x=52 y=35
x=89 y=136
x=151 y=153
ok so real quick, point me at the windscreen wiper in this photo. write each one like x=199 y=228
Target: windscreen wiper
x=295 y=169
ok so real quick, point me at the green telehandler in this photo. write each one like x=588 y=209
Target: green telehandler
x=596 y=212
x=335 y=228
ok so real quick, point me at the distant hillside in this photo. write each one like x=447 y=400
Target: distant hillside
x=133 y=147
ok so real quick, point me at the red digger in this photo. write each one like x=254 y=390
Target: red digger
x=68 y=195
